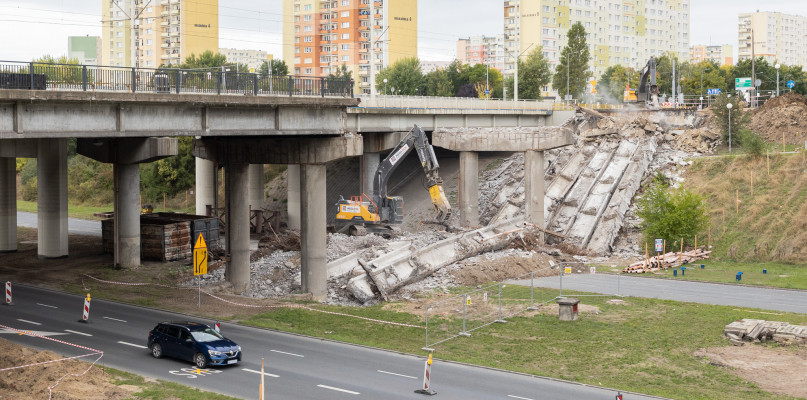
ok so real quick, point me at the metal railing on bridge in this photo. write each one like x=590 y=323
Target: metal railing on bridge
x=451 y=103
x=42 y=76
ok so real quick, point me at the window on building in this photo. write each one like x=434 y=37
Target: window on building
x=345 y=3
x=148 y=42
x=345 y=24
x=307 y=17
x=345 y=13
x=307 y=7
x=308 y=28
x=308 y=50
x=346 y=46
x=345 y=36
x=119 y=34
x=309 y=71
x=345 y=58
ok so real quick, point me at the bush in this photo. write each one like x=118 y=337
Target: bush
x=753 y=144
x=672 y=214
x=739 y=117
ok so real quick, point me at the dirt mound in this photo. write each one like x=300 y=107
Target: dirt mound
x=33 y=382
x=786 y=113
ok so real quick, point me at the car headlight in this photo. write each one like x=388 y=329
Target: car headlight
x=214 y=352
x=239 y=348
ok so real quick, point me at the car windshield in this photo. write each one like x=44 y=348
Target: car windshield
x=207 y=335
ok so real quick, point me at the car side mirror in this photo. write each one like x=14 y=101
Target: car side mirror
x=188 y=339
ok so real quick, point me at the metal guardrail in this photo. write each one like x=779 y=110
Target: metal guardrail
x=451 y=103
x=41 y=76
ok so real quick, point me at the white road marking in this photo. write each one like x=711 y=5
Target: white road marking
x=259 y=372
x=337 y=389
x=115 y=319
x=45 y=305
x=37 y=333
x=517 y=397
x=392 y=373
x=77 y=332
x=290 y=354
x=133 y=345
x=27 y=321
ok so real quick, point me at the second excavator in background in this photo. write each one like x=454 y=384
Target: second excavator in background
x=647 y=93
x=381 y=212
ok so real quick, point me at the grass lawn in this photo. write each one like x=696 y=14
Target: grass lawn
x=779 y=275
x=159 y=389
x=86 y=212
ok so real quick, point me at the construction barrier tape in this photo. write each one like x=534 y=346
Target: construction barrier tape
x=298 y=306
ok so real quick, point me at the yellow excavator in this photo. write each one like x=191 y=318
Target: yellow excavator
x=381 y=211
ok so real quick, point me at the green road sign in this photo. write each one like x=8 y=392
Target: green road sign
x=741 y=83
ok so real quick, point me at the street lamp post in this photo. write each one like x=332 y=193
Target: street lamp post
x=777 y=79
x=728 y=106
x=385 y=86
x=567 y=73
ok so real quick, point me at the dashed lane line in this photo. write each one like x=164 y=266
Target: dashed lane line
x=115 y=319
x=259 y=372
x=77 y=332
x=392 y=373
x=337 y=389
x=133 y=345
x=288 y=354
x=518 y=397
x=45 y=305
x=28 y=322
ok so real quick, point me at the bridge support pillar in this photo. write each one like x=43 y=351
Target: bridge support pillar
x=205 y=186
x=128 y=215
x=293 y=193
x=371 y=161
x=534 y=186
x=52 y=198
x=314 y=273
x=256 y=189
x=237 y=198
x=8 y=205
x=469 y=189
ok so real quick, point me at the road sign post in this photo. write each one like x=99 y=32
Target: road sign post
x=200 y=262
x=8 y=294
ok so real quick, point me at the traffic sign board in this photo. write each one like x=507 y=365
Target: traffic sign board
x=742 y=83
x=791 y=84
x=200 y=256
x=713 y=92
x=659 y=245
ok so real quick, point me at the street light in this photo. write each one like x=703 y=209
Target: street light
x=729 y=107
x=777 y=79
x=385 y=86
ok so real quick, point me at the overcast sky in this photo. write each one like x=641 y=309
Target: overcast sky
x=33 y=28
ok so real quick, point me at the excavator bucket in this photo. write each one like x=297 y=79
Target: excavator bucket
x=440 y=202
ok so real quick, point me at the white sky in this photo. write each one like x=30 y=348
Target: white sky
x=33 y=28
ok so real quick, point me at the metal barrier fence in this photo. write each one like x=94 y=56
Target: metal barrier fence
x=461 y=314
x=40 y=76
x=451 y=103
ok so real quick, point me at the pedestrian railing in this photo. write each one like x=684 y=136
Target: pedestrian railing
x=42 y=76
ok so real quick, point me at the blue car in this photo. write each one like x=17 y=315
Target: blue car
x=193 y=342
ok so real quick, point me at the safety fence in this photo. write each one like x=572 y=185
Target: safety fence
x=461 y=314
x=71 y=77
x=93 y=352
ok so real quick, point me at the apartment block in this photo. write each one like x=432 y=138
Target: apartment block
x=85 y=49
x=625 y=32
x=720 y=54
x=488 y=50
x=775 y=36
x=320 y=36
x=252 y=58
x=148 y=34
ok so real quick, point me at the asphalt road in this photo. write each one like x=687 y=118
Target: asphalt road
x=296 y=367
x=679 y=290
x=74 y=225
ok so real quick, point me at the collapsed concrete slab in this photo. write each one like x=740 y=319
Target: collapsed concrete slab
x=386 y=274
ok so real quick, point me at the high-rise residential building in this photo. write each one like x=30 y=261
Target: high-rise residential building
x=149 y=34
x=252 y=58
x=85 y=49
x=721 y=54
x=625 y=32
x=488 y=50
x=777 y=37
x=320 y=36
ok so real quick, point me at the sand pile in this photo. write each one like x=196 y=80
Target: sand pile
x=784 y=114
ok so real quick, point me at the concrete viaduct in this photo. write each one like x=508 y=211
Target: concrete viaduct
x=241 y=133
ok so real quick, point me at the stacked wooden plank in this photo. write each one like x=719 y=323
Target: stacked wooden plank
x=665 y=261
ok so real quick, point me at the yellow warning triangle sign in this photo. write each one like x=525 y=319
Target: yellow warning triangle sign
x=200 y=243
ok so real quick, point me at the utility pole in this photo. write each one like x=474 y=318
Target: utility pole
x=753 y=70
x=372 y=49
x=675 y=98
x=518 y=48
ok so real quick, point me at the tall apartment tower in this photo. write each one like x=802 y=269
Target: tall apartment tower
x=625 y=32
x=148 y=34
x=777 y=37
x=320 y=36
x=721 y=54
x=488 y=50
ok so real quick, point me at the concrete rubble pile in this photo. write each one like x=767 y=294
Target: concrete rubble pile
x=665 y=261
x=758 y=330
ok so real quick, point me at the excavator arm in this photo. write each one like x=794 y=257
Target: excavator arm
x=414 y=140
x=648 y=89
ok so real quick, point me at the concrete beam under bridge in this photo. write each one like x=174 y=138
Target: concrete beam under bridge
x=278 y=150
x=532 y=141
x=126 y=154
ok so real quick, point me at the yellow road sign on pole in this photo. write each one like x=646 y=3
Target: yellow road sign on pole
x=200 y=256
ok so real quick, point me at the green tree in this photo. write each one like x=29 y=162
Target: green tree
x=68 y=72
x=671 y=214
x=739 y=117
x=456 y=76
x=712 y=79
x=405 y=76
x=533 y=75
x=479 y=75
x=575 y=55
x=342 y=72
x=438 y=83
x=207 y=59
x=170 y=175
x=618 y=81
x=278 y=67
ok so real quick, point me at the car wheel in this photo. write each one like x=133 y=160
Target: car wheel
x=199 y=360
x=156 y=350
